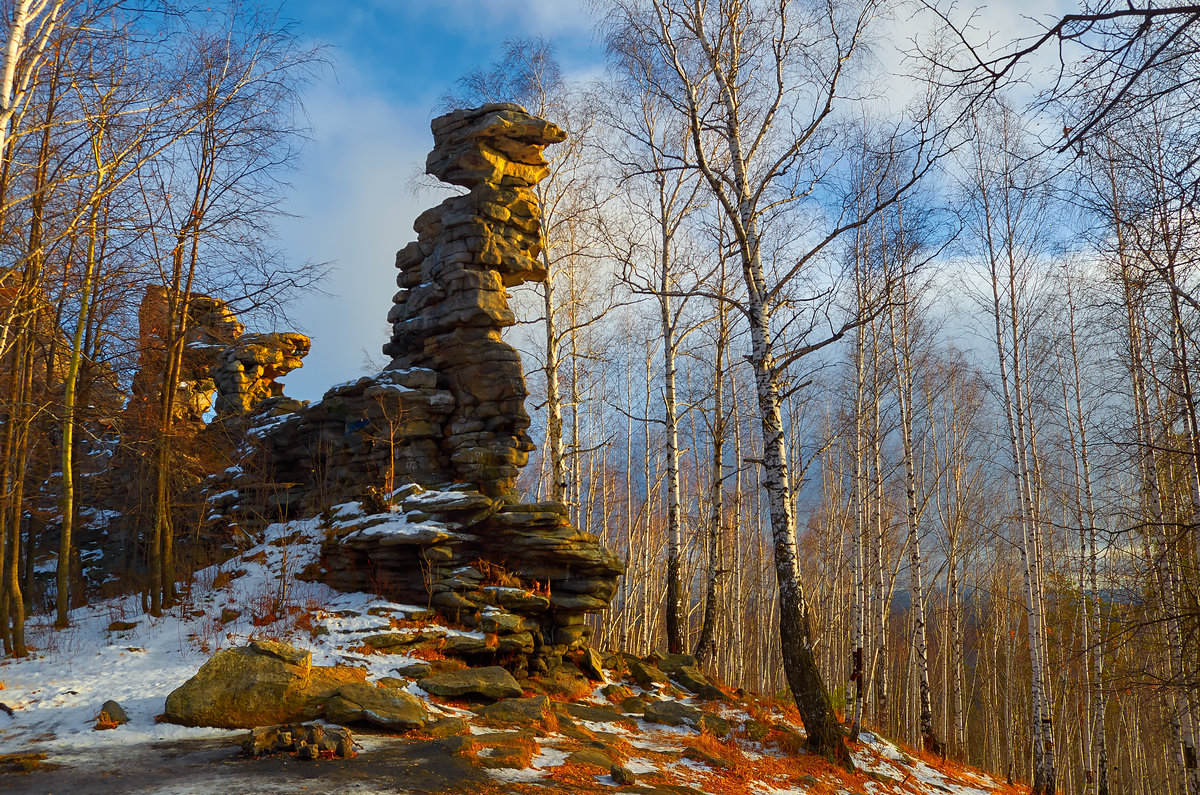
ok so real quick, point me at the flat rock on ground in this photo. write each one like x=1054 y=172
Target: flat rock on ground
x=491 y=682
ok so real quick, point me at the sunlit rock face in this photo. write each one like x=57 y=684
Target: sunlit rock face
x=247 y=371
x=210 y=325
x=219 y=358
x=414 y=469
x=451 y=306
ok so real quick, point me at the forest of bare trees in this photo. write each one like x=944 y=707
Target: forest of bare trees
x=889 y=408
x=140 y=148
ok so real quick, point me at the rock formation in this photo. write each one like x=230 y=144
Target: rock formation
x=422 y=459
x=246 y=370
x=211 y=325
x=219 y=359
x=451 y=306
x=268 y=682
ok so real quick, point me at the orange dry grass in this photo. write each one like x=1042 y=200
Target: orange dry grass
x=787 y=770
x=573 y=690
x=727 y=750
x=788 y=742
x=785 y=707
x=617 y=696
x=428 y=654
x=104 y=722
x=304 y=622
x=413 y=623
x=496 y=574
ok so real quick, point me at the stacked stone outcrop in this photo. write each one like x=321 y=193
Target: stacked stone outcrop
x=240 y=370
x=451 y=307
x=211 y=326
x=429 y=450
x=247 y=371
x=519 y=573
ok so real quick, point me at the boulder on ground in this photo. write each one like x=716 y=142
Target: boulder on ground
x=306 y=740
x=645 y=674
x=265 y=683
x=672 y=713
x=531 y=713
x=593 y=757
x=689 y=677
x=592 y=665
x=710 y=759
x=111 y=715
x=490 y=682
x=385 y=707
x=415 y=669
x=670 y=663
x=449 y=726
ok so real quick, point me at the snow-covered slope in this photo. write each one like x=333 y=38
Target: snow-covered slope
x=112 y=650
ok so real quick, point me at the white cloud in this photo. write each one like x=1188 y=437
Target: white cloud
x=353 y=194
x=355 y=207
x=522 y=17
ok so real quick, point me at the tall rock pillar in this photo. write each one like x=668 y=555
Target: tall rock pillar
x=451 y=306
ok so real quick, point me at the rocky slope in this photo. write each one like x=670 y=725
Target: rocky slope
x=253 y=644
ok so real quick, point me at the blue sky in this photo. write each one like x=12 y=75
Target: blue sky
x=352 y=194
x=353 y=198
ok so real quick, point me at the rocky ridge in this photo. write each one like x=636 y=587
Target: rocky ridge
x=290 y=664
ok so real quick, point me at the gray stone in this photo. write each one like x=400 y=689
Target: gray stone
x=672 y=713
x=645 y=674
x=525 y=712
x=621 y=775
x=593 y=757
x=670 y=663
x=690 y=678
x=592 y=665
x=713 y=724
x=385 y=707
x=491 y=682
x=260 y=684
x=112 y=712
x=415 y=669
x=447 y=727
x=306 y=740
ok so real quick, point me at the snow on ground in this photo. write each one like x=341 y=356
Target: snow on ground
x=547 y=758
x=113 y=650
x=759 y=788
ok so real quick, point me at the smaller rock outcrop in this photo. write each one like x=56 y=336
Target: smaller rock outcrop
x=490 y=682
x=111 y=716
x=520 y=575
x=248 y=369
x=210 y=326
x=240 y=370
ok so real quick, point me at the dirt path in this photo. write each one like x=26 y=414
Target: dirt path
x=386 y=765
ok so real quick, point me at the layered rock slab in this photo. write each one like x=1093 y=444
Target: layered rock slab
x=452 y=306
